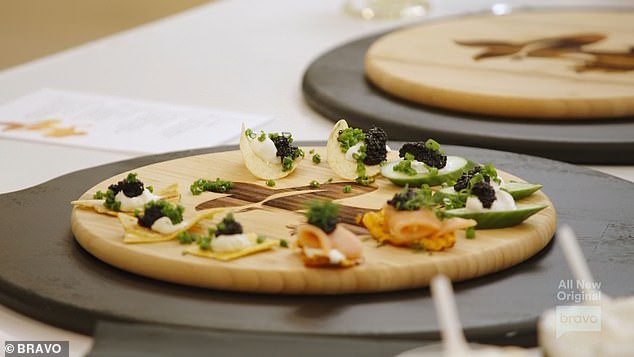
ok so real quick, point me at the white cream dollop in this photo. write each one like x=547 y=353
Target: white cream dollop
x=498 y=183
x=230 y=242
x=452 y=165
x=164 y=225
x=129 y=204
x=419 y=167
x=335 y=256
x=265 y=150
x=503 y=202
x=353 y=150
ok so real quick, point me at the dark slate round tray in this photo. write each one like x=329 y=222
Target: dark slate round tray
x=45 y=274
x=335 y=86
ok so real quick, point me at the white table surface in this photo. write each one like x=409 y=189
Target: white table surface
x=235 y=55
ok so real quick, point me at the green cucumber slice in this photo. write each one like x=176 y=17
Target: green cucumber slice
x=520 y=190
x=451 y=172
x=498 y=219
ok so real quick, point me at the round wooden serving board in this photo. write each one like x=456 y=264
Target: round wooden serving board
x=549 y=65
x=282 y=270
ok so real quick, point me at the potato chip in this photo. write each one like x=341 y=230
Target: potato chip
x=134 y=233
x=258 y=167
x=169 y=193
x=337 y=160
x=267 y=244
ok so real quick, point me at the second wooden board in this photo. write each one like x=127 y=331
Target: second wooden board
x=282 y=270
x=550 y=65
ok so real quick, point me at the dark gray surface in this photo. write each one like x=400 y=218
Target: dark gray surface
x=335 y=86
x=46 y=275
x=140 y=340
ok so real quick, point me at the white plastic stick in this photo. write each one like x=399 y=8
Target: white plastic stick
x=576 y=260
x=453 y=340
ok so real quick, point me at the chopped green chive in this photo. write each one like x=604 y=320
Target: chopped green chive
x=432 y=144
x=470 y=233
x=201 y=185
x=287 y=163
x=349 y=137
x=204 y=242
x=405 y=166
x=187 y=238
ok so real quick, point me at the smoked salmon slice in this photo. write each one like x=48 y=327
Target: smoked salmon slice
x=340 y=247
x=416 y=228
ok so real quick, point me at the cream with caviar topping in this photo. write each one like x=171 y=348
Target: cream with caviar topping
x=231 y=242
x=503 y=202
x=129 y=204
x=343 y=163
x=354 y=150
x=164 y=225
x=260 y=157
x=450 y=166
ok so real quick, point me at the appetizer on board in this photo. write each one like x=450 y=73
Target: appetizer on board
x=160 y=221
x=323 y=242
x=228 y=241
x=269 y=156
x=410 y=219
x=355 y=154
x=127 y=195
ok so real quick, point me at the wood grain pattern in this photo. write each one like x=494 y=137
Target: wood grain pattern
x=548 y=65
x=282 y=271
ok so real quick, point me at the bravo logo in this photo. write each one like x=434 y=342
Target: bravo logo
x=36 y=348
x=39 y=348
x=577 y=318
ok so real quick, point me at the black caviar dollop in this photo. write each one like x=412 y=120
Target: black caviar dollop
x=375 y=150
x=150 y=215
x=228 y=226
x=403 y=200
x=284 y=147
x=485 y=192
x=463 y=181
x=422 y=153
x=130 y=186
